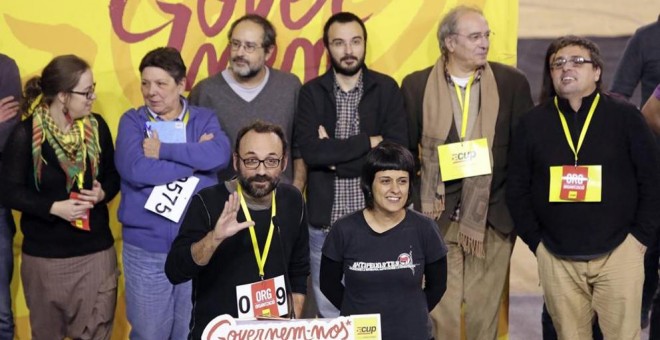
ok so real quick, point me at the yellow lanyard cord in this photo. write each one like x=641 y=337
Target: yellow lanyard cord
x=585 y=127
x=261 y=259
x=186 y=116
x=465 y=104
x=80 y=177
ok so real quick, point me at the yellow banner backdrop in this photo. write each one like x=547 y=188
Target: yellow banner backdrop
x=114 y=35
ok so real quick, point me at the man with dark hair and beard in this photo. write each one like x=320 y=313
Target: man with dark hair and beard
x=251 y=230
x=342 y=115
x=248 y=89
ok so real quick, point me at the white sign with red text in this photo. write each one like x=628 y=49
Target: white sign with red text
x=354 y=327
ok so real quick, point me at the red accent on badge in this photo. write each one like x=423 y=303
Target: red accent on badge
x=264 y=298
x=81 y=223
x=574 y=181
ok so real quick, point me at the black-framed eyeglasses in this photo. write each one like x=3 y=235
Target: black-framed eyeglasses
x=253 y=162
x=576 y=61
x=89 y=94
x=235 y=45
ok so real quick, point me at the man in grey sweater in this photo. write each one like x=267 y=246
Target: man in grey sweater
x=249 y=90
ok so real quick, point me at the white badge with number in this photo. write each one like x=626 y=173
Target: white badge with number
x=265 y=298
x=171 y=199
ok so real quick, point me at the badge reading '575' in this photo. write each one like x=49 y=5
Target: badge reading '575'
x=171 y=199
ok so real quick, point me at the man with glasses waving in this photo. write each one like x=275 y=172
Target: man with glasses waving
x=583 y=190
x=342 y=115
x=461 y=114
x=244 y=234
x=248 y=89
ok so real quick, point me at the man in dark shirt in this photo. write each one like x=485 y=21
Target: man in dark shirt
x=583 y=190
x=220 y=254
x=341 y=116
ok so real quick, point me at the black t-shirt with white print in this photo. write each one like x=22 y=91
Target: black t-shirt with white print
x=383 y=272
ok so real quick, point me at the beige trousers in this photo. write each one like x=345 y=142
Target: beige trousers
x=609 y=286
x=476 y=283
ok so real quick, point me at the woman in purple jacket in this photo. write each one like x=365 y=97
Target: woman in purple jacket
x=167 y=150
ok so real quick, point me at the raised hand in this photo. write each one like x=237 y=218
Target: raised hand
x=227 y=225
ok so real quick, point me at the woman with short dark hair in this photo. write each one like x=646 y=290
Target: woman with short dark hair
x=386 y=253
x=162 y=148
x=58 y=170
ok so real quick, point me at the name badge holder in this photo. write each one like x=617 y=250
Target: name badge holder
x=264 y=298
x=576 y=183
x=465 y=158
x=569 y=183
x=170 y=200
x=173 y=131
x=83 y=222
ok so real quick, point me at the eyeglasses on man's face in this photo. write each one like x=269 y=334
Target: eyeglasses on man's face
x=249 y=47
x=89 y=94
x=253 y=162
x=576 y=61
x=475 y=37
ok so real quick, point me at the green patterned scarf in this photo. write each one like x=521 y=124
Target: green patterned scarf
x=72 y=147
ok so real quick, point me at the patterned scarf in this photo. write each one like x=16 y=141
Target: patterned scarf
x=71 y=148
x=475 y=193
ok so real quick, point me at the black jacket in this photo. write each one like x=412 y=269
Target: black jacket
x=47 y=235
x=381 y=113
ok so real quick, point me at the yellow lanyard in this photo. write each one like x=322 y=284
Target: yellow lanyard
x=261 y=259
x=465 y=104
x=184 y=120
x=80 y=177
x=584 y=127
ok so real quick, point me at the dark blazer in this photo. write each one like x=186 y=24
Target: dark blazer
x=381 y=112
x=515 y=99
